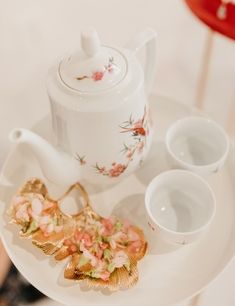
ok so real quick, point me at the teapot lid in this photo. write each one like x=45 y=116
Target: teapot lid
x=95 y=68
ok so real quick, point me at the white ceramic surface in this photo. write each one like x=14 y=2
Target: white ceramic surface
x=100 y=113
x=180 y=206
x=167 y=275
x=197 y=144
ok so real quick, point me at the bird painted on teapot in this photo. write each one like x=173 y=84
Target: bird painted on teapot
x=100 y=113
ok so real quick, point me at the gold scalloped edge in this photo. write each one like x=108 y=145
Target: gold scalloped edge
x=34 y=185
x=47 y=248
x=119 y=279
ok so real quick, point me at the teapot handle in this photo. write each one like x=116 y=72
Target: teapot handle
x=146 y=38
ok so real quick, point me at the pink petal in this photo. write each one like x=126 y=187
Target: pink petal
x=17 y=200
x=50 y=228
x=105 y=275
x=58 y=228
x=22 y=213
x=113 y=244
x=132 y=235
x=135 y=246
x=44 y=220
x=36 y=206
x=47 y=205
x=120 y=259
x=88 y=255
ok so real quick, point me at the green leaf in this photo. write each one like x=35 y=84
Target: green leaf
x=107 y=254
x=82 y=261
x=105 y=239
x=99 y=239
x=127 y=265
x=25 y=227
x=118 y=225
x=111 y=267
x=93 y=274
x=32 y=227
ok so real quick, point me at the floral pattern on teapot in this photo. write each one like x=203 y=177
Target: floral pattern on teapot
x=98 y=75
x=80 y=159
x=139 y=131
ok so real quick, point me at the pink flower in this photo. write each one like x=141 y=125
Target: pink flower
x=36 y=207
x=119 y=236
x=47 y=204
x=117 y=170
x=86 y=239
x=134 y=247
x=132 y=235
x=67 y=242
x=22 y=213
x=72 y=248
x=105 y=275
x=129 y=154
x=89 y=255
x=120 y=259
x=98 y=75
x=78 y=235
x=110 y=68
x=99 y=253
x=46 y=225
x=83 y=237
x=49 y=228
x=108 y=227
x=17 y=200
x=102 y=169
x=113 y=244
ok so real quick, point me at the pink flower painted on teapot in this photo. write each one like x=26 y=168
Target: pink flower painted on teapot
x=99 y=74
x=116 y=169
x=139 y=131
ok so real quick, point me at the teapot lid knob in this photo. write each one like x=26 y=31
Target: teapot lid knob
x=95 y=68
x=90 y=41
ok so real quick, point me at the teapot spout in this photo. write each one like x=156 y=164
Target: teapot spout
x=57 y=166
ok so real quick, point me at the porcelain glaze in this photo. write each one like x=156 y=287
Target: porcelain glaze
x=197 y=144
x=100 y=113
x=180 y=206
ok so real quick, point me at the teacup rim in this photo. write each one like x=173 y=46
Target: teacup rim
x=191 y=166
x=188 y=233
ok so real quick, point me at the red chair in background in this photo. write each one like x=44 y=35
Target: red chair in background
x=219 y=16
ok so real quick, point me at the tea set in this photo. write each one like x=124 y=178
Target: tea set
x=144 y=158
x=103 y=131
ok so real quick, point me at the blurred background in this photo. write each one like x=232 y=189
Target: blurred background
x=34 y=34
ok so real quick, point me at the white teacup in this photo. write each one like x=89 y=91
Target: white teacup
x=180 y=205
x=197 y=144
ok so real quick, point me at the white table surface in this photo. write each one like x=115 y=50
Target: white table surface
x=34 y=33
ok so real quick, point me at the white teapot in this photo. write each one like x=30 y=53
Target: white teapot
x=100 y=112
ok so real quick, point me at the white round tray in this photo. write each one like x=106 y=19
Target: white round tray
x=167 y=274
